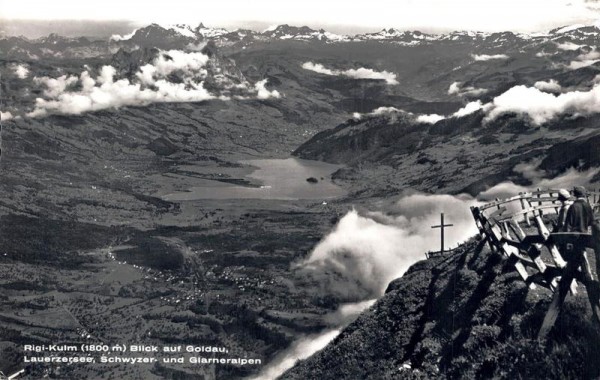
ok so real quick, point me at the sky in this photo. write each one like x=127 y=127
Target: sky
x=342 y=16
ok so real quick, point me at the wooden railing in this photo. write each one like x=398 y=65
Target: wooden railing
x=516 y=228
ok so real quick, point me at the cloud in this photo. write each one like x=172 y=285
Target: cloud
x=263 y=93
x=541 y=106
x=124 y=37
x=360 y=73
x=299 y=350
x=385 y=110
x=6 y=116
x=469 y=109
x=367 y=250
x=549 y=86
x=430 y=119
x=392 y=112
x=319 y=68
x=567 y=180
x=151 y=84
x=568 y=46
x=574 y=65
x=585 y=60
x=55 y=86
x=21 y=71
x=486 y=57
x=192 y=64
x=454 y=88
x=457 y=89
x=104 y=92
x=306 y=346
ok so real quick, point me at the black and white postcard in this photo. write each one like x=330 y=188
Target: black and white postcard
x=269 y=189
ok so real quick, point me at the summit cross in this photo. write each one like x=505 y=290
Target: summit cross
x=441 y=227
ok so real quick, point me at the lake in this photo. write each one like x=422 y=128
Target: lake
x=278 y=179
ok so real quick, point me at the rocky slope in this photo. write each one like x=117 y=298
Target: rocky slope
x=465 y=315
x=458 y=154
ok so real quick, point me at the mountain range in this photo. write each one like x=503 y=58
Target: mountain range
x=181 y=35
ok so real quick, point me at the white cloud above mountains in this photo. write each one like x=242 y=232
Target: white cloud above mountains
x=550 y=86
x=568 y=46
x=6 y=116
x=56 y=86
x=585 y=59
x=391 y=112
x=174 y=60
x=360 y=73
x=118 y=37
x=430 y=118
x=487 y=57
x=21 y=71
x=72 y=94
x=368 y=249
x=263 y=93
x=541 y=106
x=468 y=109
x=104 y=92
x=457 y=88
x=541 y=103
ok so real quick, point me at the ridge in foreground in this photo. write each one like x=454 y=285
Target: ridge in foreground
x=463 y=315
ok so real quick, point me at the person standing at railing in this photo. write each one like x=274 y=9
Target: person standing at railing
x=580 y=215
x=565 y=202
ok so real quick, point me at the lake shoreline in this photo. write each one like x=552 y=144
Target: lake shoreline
x=270 y=179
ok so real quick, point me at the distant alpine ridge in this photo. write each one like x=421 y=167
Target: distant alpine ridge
x=304 y=33
x=183 y=36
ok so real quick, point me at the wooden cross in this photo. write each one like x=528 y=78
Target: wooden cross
x=441 y=227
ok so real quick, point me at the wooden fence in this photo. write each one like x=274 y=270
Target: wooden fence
x=518 y=228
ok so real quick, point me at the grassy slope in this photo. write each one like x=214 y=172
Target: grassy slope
x=466 y=315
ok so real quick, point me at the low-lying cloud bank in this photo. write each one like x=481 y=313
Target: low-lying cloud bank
x=552 y=85
x=585 y=60
x=72 y=94
x=568 y=46
x=433 y=118
x=306 y=346
x=360 y=73
x=301 y=349
x=488 y=57
x=368 y=249
x=124 y=37
x=21 y=71
x=541 y=106
x=5 y=116
x=457 y=88
x=541 y=103
x=430 y=118
x=263 y=93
